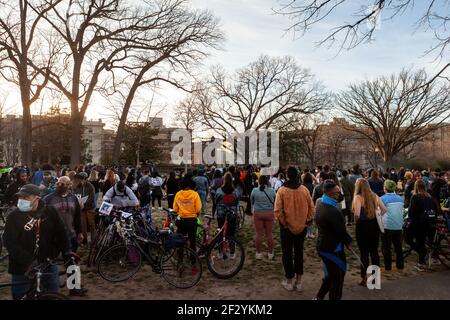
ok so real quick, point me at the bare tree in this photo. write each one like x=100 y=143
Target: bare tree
x=255 y=96
x=186 y=113
x=434 y=18
x=21 y=41
x=177 y=42
x=395 y=112
x=301 y=137
x=258 y=94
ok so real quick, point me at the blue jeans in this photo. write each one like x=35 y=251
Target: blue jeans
x=21 y=284
x=202 y=195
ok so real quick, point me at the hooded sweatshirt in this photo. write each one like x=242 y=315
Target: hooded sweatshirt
x=293 y=206
x=187 y=203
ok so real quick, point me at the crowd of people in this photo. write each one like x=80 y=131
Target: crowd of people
x=53 y=212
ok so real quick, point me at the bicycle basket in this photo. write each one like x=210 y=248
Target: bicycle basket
x=174 y=241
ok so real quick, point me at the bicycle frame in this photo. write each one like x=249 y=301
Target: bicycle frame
x=222 y=231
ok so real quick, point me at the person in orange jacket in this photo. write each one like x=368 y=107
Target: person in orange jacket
x=188 y=205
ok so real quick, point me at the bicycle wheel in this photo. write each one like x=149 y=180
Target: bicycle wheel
x=225 y=257
x=52 y=296
x=183 y=270
x=443 y=251
x=119 y=263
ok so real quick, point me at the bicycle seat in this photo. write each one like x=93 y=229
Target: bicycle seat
x=207 y=216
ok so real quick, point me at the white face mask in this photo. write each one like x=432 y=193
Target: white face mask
x=24 y=205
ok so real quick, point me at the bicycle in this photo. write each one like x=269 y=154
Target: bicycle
x=224 y=254
x=172 y=262
x=438 y=245
x=35 y=292
x=240 y=217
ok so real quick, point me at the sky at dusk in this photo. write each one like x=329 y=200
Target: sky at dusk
x=252 y=29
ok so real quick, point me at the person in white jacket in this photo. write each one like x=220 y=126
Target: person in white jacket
x=155 y=183
x=121 y=196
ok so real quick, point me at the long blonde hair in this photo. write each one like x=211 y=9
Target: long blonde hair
x=363 y=190
x=93 y=176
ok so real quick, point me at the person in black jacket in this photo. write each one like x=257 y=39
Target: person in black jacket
x=172 y=186
x=13 y=188
x=421 y=214
x=21 y=242
x=332 y=237
x=318 y=190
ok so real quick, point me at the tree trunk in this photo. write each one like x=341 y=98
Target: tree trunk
x=26 y=146
x=123 y=121
x=75 y=137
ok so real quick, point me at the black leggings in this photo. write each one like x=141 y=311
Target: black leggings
x=333 y=281
x=159 y=197
x=419 y=233
x=367 y=237
x=188 y=226
x=170 y=200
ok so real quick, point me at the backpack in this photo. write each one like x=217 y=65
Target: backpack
x=229 y=199
x=115 y=194
x=144 y=188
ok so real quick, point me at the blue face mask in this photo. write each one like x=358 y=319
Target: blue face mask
x=24 y=205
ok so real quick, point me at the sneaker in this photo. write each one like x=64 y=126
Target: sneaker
x=287 y=285
x=270 y=256
x=298 y=286
x=258 y=256
x=233 y=256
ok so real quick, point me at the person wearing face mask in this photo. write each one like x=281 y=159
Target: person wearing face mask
x=44 y=238
x=332 y=236
x=13 y=188
x=68 y=208
x=48 y=184
x=83 y=189
x=121 y=196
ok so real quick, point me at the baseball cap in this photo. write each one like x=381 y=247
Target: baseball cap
x=28 y=190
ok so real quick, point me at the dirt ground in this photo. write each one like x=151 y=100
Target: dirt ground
x=259 y=279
